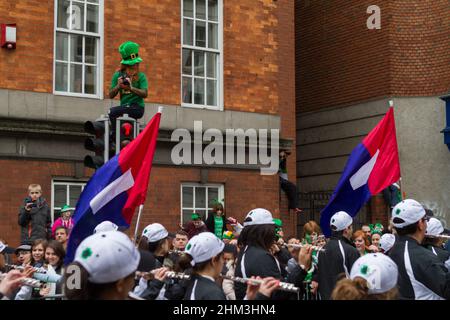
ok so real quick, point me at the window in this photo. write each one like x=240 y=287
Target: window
x=201 y=26
x=198 y=198
x=77 y=52
x=63 y=193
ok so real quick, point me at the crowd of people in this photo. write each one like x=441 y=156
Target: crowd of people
x=219 y=258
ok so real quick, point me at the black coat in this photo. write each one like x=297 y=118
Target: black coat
x=36 y=223
x=210 y=223
x=201 y=288
x=332 y=263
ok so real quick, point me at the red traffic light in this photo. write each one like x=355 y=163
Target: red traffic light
x=127 y=129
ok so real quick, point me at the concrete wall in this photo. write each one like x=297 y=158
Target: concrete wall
x=326 y=138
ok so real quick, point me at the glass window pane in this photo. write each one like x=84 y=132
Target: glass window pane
x=213 y=193
x=62 y=46
x=187 y=61
x=90 y=79
x=187 y=89
x=199 y=63
x=75 y=78
x=188 y=10
x=200 y=197
x=199 y=91
x=212 y=36
x=200 y=34
x=92 y=1
x=77 y=17
x=60 y=195
x=76 y=48
x=187 y=215
x=188 y=32
x=61 y=76
x=200 y=9
x=90 y=51
x=188 y=200
x=63 y=20
x=211 y=89
x=212 y=10
x=211 y=67
x=74 y=194
x=92 y=19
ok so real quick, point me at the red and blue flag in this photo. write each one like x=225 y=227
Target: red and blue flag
x=372 y=166
x=116 y=189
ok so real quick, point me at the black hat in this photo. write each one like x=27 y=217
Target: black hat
x=23 y=247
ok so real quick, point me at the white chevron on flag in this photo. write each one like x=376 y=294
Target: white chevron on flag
x=121 y=184
x=362 y=175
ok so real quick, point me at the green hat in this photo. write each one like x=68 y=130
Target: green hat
x=129 y=52
x=66 y=208
x=195 y=216
x=278 y=222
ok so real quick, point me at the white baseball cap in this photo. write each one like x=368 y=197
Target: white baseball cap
x=203 y=247
x=387 y=241
x=106 y=226
x=107 y=256
x=409 y=211
x=434 y=227
x=378 y=270
x=258 y=216
x=155 y=232
x=340 y=220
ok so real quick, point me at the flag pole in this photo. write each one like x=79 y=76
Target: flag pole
x=141 y=207
x=391 y=105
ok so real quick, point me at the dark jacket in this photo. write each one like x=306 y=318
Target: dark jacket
x=255 y=261
x=201 y=288
x=210 y=223
x=421 y=275
x=442 y=254
x=192 y=230
x=36 y=223
x=338 y=258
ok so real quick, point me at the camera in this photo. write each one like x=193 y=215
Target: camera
x=124 y=79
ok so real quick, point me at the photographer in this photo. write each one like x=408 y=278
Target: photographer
x=288 y=187
x=34 y=216
x=130 y=83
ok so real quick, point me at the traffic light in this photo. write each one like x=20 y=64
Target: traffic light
x=126 y=131
x=98 y=144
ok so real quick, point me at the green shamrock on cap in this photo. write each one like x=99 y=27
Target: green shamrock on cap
x=397 y=212
x=188 y=246
x=364 y=269
x=86 y=253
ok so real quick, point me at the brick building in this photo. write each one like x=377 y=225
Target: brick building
x=345 y=75
x=228 y=64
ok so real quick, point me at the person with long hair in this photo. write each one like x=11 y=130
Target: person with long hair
x=38 y=252
x=216 y=222
x=361 y=242
x=107 y=262
x=256 y=259
x=373 y=277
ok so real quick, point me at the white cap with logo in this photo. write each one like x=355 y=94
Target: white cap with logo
x=155 y=232
x=106 y=226
x=107 y=256
x=340 y=220
x=258 y=216
x=408 y=211
x=387 y=241
x=203 y=247
x=434 y=227
x=378 y=270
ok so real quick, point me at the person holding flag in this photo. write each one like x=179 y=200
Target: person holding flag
x=116 y=189
x=372 y=166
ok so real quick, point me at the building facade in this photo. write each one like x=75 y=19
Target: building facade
x=227 y=64
x=347 y=72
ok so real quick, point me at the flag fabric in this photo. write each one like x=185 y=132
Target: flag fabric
x=372 y=166
x=116 y=189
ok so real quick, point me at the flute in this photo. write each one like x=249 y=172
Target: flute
x=26 y=281
x=22 y=268
x=438 y=236
x=298 y=246
x=283 y=286
x=179 y=252
x=170 y=274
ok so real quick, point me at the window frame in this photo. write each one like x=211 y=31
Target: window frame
x=67 y=183
x=99 y=35
x=219 y=51
x=221 y=195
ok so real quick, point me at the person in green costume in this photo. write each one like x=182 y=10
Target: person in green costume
x=130 y=83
